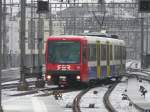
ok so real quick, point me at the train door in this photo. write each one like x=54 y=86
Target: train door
x=98 y=58
x=108 y=58
x=84 y=61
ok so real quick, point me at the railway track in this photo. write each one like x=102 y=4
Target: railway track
x=77 y=107
x=106 y=100
x=140 y=74
x=76 y=101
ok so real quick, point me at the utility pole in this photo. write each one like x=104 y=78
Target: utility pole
x=40 y=83
x=147 y=38
x=43 y=7
x=0 y=53
x=50 y=21
x=23 y=84
x=32 y=37
x=4 y=36
x=74 y=18
x=142 y=40
x=39 y=36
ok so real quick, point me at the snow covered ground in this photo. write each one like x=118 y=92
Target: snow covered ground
x=36 y=103
x=134 y=64
x=117 y=102
x=29 y=103
x=10 y=74
x=67 y=100
x=96 y=99
x=146 y=85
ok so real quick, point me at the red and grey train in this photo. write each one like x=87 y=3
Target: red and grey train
x=71 y=59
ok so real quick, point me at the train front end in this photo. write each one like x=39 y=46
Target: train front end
x=64 y=59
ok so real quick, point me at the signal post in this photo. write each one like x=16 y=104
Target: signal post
x=22 y=86
x=43 y=7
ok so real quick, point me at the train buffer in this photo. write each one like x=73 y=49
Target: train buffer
x=136 y=98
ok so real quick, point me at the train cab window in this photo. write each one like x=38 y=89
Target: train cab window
x=92 y=52
x=103 y=52
x=63 y=52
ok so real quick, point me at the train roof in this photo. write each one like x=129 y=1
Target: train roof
x=90 y=39
x=103 y=40
x=65 y=36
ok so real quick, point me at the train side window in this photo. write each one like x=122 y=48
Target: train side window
x=121 y=52
x=103 y=52
x=92 y=52
x=116 y=54
x=124 y=53
x=111 y=53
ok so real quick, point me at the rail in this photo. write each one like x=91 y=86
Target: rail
x=76 y=102
x=106 y=101
x=139 y=76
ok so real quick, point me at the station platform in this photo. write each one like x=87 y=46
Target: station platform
x=135 y=96
x=31 y=104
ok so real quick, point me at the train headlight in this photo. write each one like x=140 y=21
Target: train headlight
x=48 y=77
x=78 y=77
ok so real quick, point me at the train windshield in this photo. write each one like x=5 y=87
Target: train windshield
x=64 y=52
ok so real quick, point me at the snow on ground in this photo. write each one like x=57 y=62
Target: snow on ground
x=17 y=81
x=29 y=103
x=116 y=99
x=139 y=73
x=9 y=69
x=134 y=64
x=96 y=99
x=67 y=100
x=146 y=85
x=10 y=82
x=135 y=94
